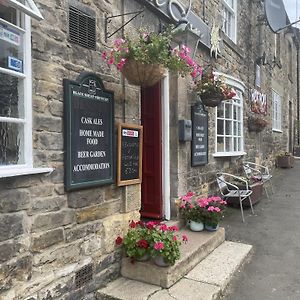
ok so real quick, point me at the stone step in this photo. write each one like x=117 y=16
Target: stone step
x=199 y=245
x=207 y=281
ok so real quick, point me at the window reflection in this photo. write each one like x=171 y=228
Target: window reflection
x=11 y=91
x=11 y=138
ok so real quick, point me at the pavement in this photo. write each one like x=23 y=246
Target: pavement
x=273 y=273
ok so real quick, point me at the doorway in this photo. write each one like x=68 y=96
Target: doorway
x=151 y=115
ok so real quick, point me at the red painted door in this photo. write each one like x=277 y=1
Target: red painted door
x=152 y=149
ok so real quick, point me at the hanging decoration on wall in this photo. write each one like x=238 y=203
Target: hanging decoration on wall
x=215 y=40
x=258 y=102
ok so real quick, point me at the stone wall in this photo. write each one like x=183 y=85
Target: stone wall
x=49 y=238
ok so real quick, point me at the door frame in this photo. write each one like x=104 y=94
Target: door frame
x=165 y=138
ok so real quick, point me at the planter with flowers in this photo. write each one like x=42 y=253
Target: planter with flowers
x=212 y=89
x=285 y=160
x=256 y=124
x=143 y=60
x=152 y=239
x=136 y=243
x=208 y=210
x=214 y=212
x=192 y=212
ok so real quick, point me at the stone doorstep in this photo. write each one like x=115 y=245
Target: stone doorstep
x=207 y=280
x=199 y=245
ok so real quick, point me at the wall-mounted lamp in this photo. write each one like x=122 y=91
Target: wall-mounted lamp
x=185 y=35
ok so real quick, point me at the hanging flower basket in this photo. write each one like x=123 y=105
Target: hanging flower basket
x=144 y=75
x=211 y=101
x=256 y=124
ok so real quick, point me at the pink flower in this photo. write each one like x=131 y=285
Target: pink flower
x=111 y=60
x=132 y=224
x=202 y=202
x=184 y=238
x=217 y=209
x=185 y=48
x=159 y=246
x=145 y=36
x=150 y=225
x=215 y=198
x=173 y=228
x=104 y=55
x=163 y=227
x=174 y=238
x=118 y=42
x=190 y=194
x=189 y=61
x=211 y=208
x=143 y=244
x=119 y=241
x=121 y=63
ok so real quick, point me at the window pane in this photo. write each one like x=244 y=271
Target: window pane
x=11 y=96
x=220 y=127
x=9 y=14
x=220 y=144
x=228 y=110
x=239 y=127
x=11 y=45
x=235 y=144
x=235 y=128
x=228 y=125
x=228 y=144
x=11 y=143
x=221 y=111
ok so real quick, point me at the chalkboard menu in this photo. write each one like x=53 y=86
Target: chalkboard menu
x=89 y=133
x=199 y=136
x=130 y=143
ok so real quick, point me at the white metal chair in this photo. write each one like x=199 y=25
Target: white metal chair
x=259 y=172
x=230 y=190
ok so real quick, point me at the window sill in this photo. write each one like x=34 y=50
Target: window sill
x=277 y=130
x=229 y=154
x=11 y=172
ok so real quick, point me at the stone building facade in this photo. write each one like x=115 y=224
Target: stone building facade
x=56 y=244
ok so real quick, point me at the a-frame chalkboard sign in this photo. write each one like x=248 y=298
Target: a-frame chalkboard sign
x=89 y=133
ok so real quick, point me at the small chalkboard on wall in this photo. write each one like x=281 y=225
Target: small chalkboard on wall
x=130 y=144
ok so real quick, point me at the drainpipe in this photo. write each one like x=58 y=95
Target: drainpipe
x=298 y=96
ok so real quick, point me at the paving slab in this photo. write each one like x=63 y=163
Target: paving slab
x=218 y=268
x=126 y=289
x=199 y=245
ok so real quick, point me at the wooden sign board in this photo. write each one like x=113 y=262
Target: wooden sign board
x=130 y=149
x=89 y=133
x=199 y=136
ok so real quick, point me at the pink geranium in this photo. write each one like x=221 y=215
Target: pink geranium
x=159 y=246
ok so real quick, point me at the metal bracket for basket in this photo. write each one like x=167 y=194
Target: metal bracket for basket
x=108 y=20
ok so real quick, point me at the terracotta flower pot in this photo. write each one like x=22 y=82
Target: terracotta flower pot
x=144 y=75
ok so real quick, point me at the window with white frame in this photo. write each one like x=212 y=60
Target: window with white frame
x=229 y=12
x=229 y=124
x=276 y=120
x=15 y=87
